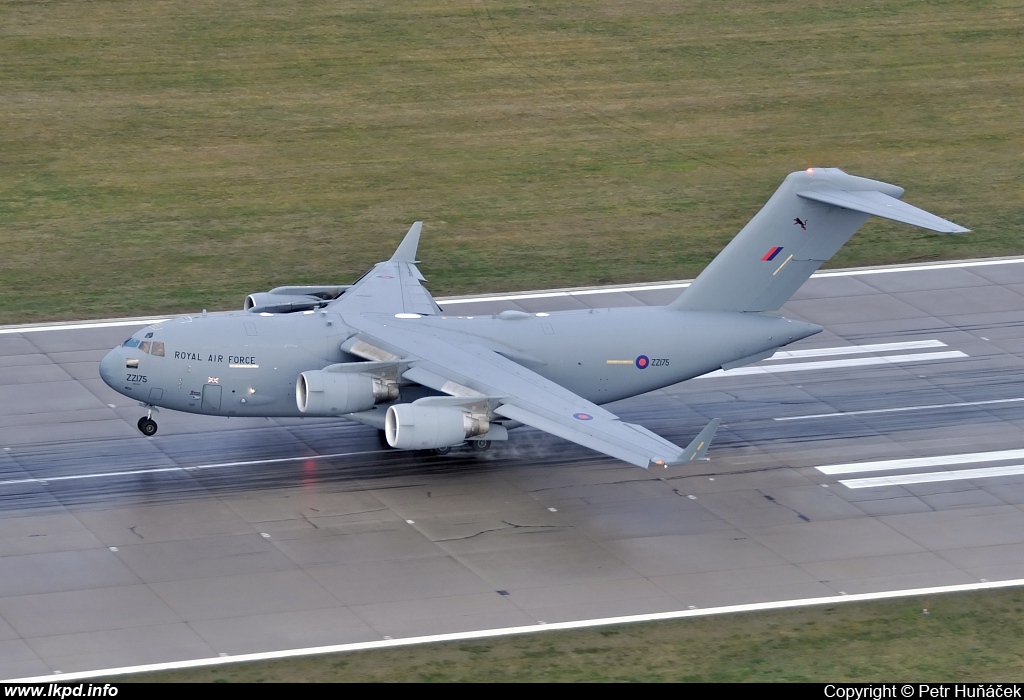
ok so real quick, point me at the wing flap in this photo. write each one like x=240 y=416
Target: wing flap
x=620 y=440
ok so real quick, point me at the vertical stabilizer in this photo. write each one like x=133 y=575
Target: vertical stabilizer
x=805 y=223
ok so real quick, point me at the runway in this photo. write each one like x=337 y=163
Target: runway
x=883 y=454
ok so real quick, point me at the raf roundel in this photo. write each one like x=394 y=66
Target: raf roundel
x=643 y=362
x=582 y=416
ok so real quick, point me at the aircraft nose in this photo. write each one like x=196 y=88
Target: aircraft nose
x=110 y=367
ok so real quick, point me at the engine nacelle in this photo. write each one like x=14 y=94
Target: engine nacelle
x=282 y=300
x=411 y=427
x=268 y=302
x=319 y=393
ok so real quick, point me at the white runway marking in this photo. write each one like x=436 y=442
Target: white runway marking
x=954 y=265
x=199 y=467
x=79 y=325
x=931 y=477
x=525 y=629
x=962 y=404
x=918 y=462
x=856 y=349
x=684 y=284
x=837 y=364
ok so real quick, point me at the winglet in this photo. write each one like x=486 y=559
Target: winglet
x=406 y=251
x=696 y=450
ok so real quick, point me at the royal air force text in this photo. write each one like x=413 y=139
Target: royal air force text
x=230 y=359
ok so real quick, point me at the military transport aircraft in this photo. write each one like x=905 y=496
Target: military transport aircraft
x=381 y=352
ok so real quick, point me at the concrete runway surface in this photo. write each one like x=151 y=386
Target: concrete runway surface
x=883 y=454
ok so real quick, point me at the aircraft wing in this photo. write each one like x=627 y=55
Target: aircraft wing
x=469 y=370
x=394 y=285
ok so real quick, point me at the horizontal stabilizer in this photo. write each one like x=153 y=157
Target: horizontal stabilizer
x=880 y=204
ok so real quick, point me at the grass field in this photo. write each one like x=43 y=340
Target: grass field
x=171 y=155
x=968 y=637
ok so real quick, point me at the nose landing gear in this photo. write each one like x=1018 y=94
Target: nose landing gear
x=147 y=426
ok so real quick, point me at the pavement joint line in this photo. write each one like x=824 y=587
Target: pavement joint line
x=543 y=294
x=386 y=643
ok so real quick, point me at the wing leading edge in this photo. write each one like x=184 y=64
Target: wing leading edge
x=469 y=370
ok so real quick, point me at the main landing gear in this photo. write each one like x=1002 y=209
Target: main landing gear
x=147 y=426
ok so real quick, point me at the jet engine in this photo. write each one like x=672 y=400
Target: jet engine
x=320 y=393
x=411 y=427
x=283 y=300
x=266 y=302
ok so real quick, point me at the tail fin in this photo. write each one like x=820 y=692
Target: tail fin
x=805 y=223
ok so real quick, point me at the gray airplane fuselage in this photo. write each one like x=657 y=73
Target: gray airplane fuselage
x=247 y=364
x=382 y=352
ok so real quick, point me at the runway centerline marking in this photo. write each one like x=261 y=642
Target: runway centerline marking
x=198 y=467
x=917 y=462
x=962 y=404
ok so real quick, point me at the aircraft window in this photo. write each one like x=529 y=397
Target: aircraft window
x=144 y=346
x=131 y=343
x=158 y=349
x=149 y=335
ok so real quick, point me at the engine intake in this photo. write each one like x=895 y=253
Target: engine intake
x=319 y=393
x=411 y=427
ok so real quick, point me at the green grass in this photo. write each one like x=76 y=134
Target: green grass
x=970 y=637
x=164 y=156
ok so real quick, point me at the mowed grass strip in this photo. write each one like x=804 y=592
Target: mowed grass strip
x=166 y=156
x=966 y=637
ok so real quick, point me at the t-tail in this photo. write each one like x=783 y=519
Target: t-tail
x=805 y=223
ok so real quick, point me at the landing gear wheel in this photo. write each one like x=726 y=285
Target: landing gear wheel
x=480 y=445
x=383 y=437
x=442 y=450
x=147 y=426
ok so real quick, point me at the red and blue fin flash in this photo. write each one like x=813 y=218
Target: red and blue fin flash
x=770 y=255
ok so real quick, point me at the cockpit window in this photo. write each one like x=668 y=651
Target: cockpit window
x=151 y=347
x=148 y=347
x=149 y=335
